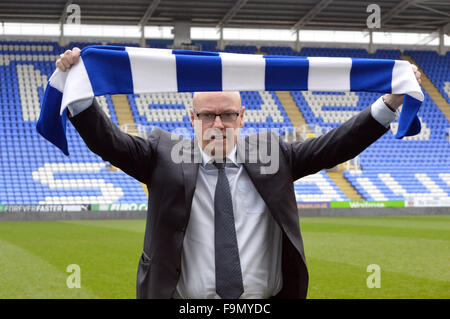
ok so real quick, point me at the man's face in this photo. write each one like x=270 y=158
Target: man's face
x=217 y=134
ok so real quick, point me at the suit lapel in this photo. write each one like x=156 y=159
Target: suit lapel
x=275 y=189
x=190 y=172
x=264 y=184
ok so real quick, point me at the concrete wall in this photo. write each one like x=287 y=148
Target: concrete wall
x=10 y=216
x=324 y=212
x=389 y=211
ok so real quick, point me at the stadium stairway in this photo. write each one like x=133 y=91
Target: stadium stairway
x=292 y=110
x=431 y=89
x=297 y=119
x=347 y=188
x=124 y=117
x=122 y=108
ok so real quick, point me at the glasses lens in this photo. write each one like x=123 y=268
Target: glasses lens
x=225 y=117
x=228 y=117
x=207 y=117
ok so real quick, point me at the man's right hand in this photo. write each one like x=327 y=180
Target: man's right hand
x=67 y=59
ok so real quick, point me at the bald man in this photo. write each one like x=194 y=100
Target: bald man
x=222 y=226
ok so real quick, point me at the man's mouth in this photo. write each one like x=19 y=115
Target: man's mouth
x=218 y=138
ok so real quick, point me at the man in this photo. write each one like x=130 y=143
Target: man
x=223 y=226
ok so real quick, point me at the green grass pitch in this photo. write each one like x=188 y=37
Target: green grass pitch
x=413 y=254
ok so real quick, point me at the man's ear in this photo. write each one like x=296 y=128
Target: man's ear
x=191 y=114
x=241 y=116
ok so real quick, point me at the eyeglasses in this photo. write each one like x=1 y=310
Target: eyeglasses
x=209 y=118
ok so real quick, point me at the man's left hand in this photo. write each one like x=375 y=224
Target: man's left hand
x=396 y=100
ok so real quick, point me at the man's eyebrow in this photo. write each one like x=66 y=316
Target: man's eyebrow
x=212 y=112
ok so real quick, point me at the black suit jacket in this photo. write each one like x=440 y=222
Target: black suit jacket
x=172 y=185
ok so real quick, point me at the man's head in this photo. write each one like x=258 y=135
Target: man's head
x=217 y=135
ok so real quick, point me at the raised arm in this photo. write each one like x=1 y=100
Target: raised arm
x=348 y=140
x=336 y=146
x=133 y=155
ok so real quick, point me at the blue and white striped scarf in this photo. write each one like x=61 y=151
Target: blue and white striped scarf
x=130 y=70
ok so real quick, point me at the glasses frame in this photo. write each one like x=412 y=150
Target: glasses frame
x=197 y=114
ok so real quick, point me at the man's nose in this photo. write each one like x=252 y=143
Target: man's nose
x=218 y=122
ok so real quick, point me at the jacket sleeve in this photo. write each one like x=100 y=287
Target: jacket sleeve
x=132 y=154
x=336 y=146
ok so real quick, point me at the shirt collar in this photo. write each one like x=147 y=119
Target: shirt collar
x=206 y=159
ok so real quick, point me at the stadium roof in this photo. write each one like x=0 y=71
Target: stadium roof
x=402 y=15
